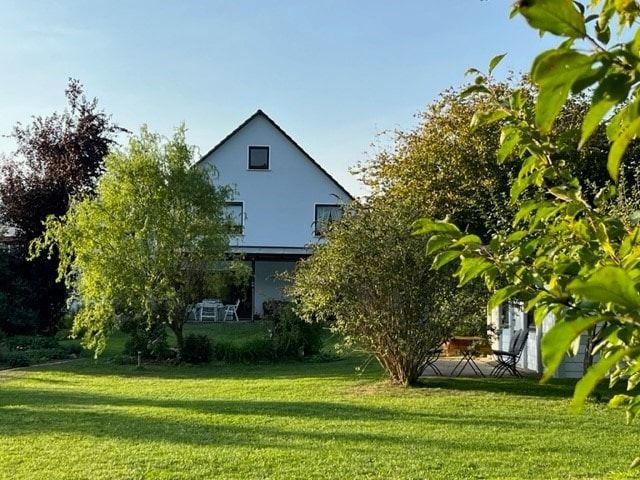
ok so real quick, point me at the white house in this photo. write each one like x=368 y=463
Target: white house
x=283 y=197
x=510 y=317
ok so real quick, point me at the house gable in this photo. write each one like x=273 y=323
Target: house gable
x=279 y=201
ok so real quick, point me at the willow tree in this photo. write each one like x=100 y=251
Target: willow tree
x=146 y=244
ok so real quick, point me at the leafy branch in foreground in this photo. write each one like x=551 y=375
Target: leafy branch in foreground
x=567 y=255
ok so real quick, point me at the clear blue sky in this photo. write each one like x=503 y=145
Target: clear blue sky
x=331 y=73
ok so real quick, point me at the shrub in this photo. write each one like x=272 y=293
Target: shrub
x=197 y=349
x=151 y=342
x=259 y=349
x=292 y=336
x=16 y=359
x=73 y=349
x=271 y=307
x=24 y=342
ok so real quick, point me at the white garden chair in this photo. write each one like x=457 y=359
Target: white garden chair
x=208 y=309
x=232 y=311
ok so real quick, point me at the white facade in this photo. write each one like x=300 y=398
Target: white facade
x=278 y=202
x=512 y=318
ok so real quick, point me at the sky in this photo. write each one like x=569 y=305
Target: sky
x=332 y=74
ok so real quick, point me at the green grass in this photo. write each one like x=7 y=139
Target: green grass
x=97 y=420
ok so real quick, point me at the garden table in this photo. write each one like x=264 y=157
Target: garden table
x=468 y=358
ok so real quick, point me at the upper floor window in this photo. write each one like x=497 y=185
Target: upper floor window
x=325 y=214
x=258 y=158
x=234 y=212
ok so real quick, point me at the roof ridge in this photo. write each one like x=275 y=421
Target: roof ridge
x=285 y=134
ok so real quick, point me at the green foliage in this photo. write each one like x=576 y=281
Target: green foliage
x=371 y=281
x=572 y=255
x=250 y=351
x=24 y=350
x=147 y=245
x=148 y=340
x=197 y=349
x=291 y=336
x=18 y=297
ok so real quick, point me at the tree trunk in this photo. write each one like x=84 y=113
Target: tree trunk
x=176 y=328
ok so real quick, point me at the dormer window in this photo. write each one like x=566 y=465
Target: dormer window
x=326 y=213
x=258 y=158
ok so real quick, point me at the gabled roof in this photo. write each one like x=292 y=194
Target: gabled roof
x=286 y=135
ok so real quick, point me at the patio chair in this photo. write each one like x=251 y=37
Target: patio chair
x=432 y=357
x=232 y=310
x=507 y=361
x=208 y=309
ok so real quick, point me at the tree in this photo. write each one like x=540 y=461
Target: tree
x=372 y=281
x=146 y=245
x=447 y=166
x=56 y=157
x=568 y=255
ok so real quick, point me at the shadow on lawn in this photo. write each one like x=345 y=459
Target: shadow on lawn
x=238 y=422
x=527 y=387
x=344 y=368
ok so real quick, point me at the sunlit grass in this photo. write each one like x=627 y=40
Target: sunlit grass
x=97 y=420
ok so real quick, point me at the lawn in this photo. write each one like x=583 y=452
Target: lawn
x=98 y=420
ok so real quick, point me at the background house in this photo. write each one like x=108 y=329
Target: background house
x=282 y=200
x=509 y=317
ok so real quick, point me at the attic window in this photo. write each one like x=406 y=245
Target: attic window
x=258 y=158
x=326 y=214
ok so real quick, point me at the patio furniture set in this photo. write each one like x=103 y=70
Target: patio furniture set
x=213 y=310
x=505 y=361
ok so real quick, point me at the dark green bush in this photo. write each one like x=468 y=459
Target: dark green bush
x=271 y=307
x=15 y=360
x=151 y=341
x=197 y=349
x=293 y=337
x=25 y=342
x=259 y=349
x=73 y=349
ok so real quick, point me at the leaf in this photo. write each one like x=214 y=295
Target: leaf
x=470 y=268
x=502 y=295
x=519 y=186
x=596 y=373
x=619 y=400
x=469 y=240
x=509 y=138
x=445 y=257
x=559 y=17
x=619 y=146
x=613 y=89
x=426 y=226
x=555 y=72
x=516 y=236
x=476 y=88
x=608 y=285
x=557 y=341
x=525 y=209
x=495 y=61
x=438 y=242
x=480 y=119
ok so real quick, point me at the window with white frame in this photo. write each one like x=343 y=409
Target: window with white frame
x=258 y=158
x=504 y=315
x=325 y=214
x=234 y=212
